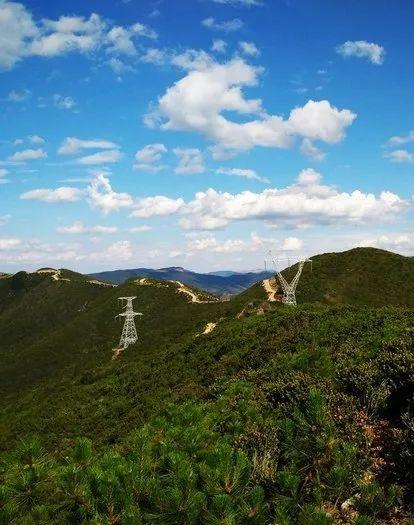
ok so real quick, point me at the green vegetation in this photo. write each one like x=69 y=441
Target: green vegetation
x=279 y=415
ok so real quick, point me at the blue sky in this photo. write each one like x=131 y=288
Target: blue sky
x=203 y=133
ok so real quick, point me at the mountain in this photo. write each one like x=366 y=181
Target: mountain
x=219 y=283
x=239 y=411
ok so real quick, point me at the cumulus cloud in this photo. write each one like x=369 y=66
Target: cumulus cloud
x=190 y=161
x=23 y=36
x=78 y=228
x=72 y=145
x=307 y=202
x=63 y=194
x=362 y=49
x=227 y=26
x=238 y=172
x=198 y=102
x=28 y=154
x=149 y=158
x=249 y=49
x=157 y=206
x=102 y=197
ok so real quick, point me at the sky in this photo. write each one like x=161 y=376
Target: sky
x=203 y=133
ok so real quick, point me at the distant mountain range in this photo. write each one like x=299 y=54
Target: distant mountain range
x=219 y=283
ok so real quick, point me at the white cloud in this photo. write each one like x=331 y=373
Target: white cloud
x=140 y=229
x=362 y=49
x=121 y=39
x=67 y=34
x=72 y=145
x=190 y=161
x=3 y=180
x=9 y=243
x=102 y=197
x=219 y=46
x=292 y=244
x=153 y=56
x=22 y=36
x=28 y=154
x=397 y=242
x=156 y=207
x=118 y=66
x=401 y=140
x=63 y=194
x=192 y=59
x=36 y=139
x=255 y=243
x=14 y=95
x=102 y=157
x=305 y=203
x=197 y=102
x=16 y=30
x=249 y=49
x=62 y=102
x=227 y=26
x=78 y=228
x=308 y=149
x=238 y=172
x=400 y=156
x=149 y=158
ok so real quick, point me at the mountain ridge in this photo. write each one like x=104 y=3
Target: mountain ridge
x=213 y=282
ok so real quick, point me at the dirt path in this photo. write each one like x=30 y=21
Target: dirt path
x=101 y=283
x=209 y=328
x=183 y=289
x=116 y=352
x=271 y=289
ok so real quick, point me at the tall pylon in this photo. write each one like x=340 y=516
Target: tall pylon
x=289 y=289
x=129 y=334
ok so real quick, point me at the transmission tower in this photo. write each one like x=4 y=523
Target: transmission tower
x=289 y=289
x=129 y=332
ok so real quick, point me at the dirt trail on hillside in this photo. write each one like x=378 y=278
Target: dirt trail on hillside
x=182 y=288
x=194 y=298
x=101 y=283
x=271 y=289
x=209 y=328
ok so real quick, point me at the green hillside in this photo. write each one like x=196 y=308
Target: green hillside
x=362 y=276
x=236 y=412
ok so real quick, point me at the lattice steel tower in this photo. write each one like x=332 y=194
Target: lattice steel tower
x=289 y=289
x=129 y=332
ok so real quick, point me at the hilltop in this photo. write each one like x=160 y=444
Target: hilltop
x=219 y=283
x=361 y=276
